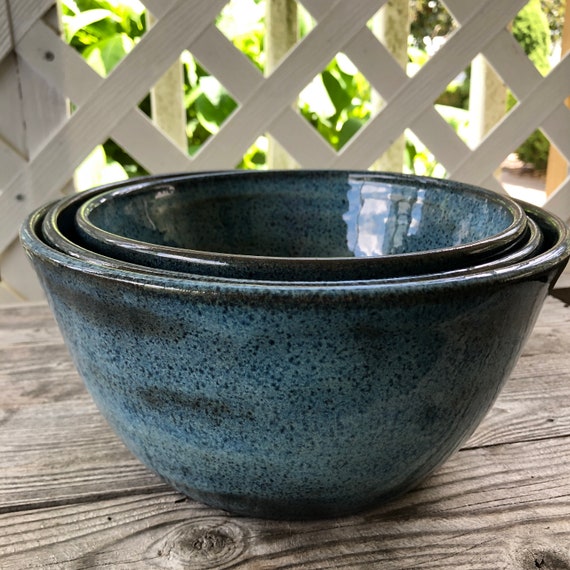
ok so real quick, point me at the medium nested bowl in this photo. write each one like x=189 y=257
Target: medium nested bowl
x=60 y=231
x=301 y=225
x=287 y=400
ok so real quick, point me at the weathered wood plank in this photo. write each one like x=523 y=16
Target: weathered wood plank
x=501 y=507
x=27 y=323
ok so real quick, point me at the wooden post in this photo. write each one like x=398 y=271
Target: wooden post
x=557 y=168
x=167 y=103
x=280 y=36
x=392 y=26
x=30 y=110
x=487 y=99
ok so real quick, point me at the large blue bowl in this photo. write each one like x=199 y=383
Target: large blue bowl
x=300 y=225
x=286 y=400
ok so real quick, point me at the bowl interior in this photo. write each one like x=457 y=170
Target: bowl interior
x=304 y=215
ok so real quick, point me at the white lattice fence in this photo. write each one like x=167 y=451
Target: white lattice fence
x=107 y=108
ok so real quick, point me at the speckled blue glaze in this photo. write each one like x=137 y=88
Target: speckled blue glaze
x=294 y=400
x=301 y=225
x=60 y=230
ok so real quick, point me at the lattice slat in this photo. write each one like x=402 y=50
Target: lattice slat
x=25 y=13
x=107 y=108
x=509 y=60
x=410 y=101
x=92 y=123
x=279 y=89
x=517 y=125
x=240 y=78
x=73 y=76
x=5 y=32
x=559 y=201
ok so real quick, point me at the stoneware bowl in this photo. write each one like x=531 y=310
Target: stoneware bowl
x=59 y=230
x=301 y=225
x=294 y=400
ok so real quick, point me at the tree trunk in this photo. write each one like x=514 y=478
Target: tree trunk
x=392 y=26
x=280 y=37
x=167 y=103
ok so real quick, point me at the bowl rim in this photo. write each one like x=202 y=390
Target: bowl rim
x=536 y=267
x=449 y=257
x=56 y=237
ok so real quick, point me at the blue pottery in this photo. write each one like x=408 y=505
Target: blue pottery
x=59 y=230
x=301 y=225
x=286 y=400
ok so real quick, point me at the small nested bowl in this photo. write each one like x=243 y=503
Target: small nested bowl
x=294 y=400
x=301 y=225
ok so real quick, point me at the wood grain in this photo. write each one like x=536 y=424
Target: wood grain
x=503 y=507
x=72 y=496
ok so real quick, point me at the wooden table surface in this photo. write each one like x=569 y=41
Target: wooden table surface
x=71 y=495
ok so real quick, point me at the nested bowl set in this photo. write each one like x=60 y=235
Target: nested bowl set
x=294 y=344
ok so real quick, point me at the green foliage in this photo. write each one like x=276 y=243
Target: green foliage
x=554 y=11
x=429 y=20
x=531 y=30
x=337 y=103
x=207 y=103
x=103 y=30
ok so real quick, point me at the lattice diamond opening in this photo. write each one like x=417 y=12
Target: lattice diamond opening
x=530 y=28
x=254 y=157
x=338 y=101
x=106 y=35
x=453 y=105
x=430 y=24
x=207 y=102
x=242 y=22
x=418 y=158
x=107 y=163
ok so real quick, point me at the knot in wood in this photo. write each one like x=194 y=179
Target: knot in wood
x=544 y=556
x=211 y=542
x=204 y=544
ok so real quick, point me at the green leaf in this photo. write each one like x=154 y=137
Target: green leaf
x=72 y=24
x=338 y=96
x=347 y=131
x=96 y=170
x=315 y=99
x=70 y=6
x=211 y=115
x=104 y=55
x=212 y=89
x=125 y=6
x=190 y=66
